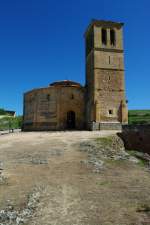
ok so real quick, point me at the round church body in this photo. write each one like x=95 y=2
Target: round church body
x=59 y=106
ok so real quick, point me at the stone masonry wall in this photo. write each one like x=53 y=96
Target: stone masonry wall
x=136 y=137
x=46 y=108
x=105 y=74
x=109 y=93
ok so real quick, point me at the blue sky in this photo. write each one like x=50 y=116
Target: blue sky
x=42 y=41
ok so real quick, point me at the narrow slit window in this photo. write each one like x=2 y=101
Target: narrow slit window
x=104 y=36
x=110 y=112
x=72 y=96
x=48 y=97
x=112 y=37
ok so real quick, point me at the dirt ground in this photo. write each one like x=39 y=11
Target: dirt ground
x=71 y=193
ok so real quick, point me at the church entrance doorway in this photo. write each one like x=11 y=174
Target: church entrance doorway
x=71 y=120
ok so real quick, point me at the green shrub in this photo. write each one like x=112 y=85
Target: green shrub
x=2 y=112
x=7 y=123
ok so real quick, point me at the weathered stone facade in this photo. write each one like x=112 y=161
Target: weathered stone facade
x=50 y=108
x=101 y=103
x=136 y=137
x=106 y=101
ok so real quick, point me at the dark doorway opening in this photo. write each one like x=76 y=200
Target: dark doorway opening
x=71 y=120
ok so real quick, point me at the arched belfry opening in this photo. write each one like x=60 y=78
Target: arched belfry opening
x=112 y=37
x=104 y=36
x=71 y=120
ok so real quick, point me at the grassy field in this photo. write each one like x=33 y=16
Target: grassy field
x=139 y=116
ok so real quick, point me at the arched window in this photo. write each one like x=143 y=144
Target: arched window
x=112 y=37
x=104 y=36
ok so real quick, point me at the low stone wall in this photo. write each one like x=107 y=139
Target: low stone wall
x=136 y=137
x=105 y=126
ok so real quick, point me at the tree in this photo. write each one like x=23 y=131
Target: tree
x=2 y=112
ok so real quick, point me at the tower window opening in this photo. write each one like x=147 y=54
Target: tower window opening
x=110 y=112
x=104 y=36
x=48 y=97
x=112 y=37
x=72 y=96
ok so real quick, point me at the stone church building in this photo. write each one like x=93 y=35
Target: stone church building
x=100 y=104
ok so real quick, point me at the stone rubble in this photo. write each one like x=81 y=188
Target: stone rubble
x=97 y=164
x=3 y=179
x=9 y=216
x=38 y=161
x=101 y=150
x=142 y=155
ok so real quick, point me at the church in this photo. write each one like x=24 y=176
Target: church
x=100 y=104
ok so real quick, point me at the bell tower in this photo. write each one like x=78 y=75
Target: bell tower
x=105 y=89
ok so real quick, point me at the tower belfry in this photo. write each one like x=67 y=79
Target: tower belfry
x=105 y=89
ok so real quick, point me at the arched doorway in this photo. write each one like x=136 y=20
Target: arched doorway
x=71 y=120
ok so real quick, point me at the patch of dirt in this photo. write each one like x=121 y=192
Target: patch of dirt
x=71 y=193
